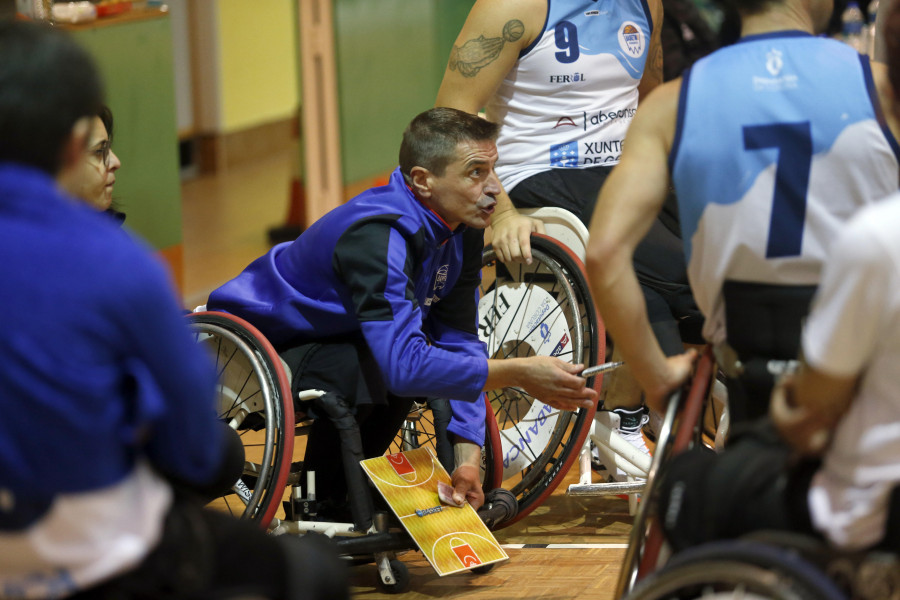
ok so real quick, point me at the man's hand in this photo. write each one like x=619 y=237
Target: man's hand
x=466 y=480
x=511 y=235
x=557 y=383
x=677 y=370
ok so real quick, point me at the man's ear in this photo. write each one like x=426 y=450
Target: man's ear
x=421 y=179
x=75 y=145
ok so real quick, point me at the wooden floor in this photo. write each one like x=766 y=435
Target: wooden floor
x=226 y=219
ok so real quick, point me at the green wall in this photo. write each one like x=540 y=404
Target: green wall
x=137 y=65
x=390 y=57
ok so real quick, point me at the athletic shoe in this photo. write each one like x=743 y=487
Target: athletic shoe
x=628 y=423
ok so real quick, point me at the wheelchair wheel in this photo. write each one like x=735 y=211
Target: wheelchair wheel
x=645 y=543
x=426 y=427
x=527 y=310
x=738 y=569
x=254 y=398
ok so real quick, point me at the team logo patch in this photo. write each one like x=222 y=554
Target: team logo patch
x=564 y=155
x=440 y=278
x=631 y=39
x=774 y=63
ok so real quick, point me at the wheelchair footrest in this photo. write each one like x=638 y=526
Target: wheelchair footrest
x=616 y=488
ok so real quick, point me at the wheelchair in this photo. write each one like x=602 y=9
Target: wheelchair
x=254 y=397
x=762 y=565
x=525 y=310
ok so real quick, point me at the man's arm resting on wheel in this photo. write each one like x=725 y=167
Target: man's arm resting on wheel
x=511 y=231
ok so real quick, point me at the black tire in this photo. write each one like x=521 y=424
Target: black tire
x=401 y=578
x=737 y=569
x=254 y=398
x=543 y=308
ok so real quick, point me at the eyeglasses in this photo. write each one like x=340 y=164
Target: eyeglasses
x=101 y=153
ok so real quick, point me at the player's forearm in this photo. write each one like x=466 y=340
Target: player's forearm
x=617 y=293
x=825 y=397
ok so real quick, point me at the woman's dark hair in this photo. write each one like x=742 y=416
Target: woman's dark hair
x=47 y=83
x=105 y=116
x=431 y=138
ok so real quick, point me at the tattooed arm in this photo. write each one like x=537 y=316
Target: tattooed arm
x=487 y=48
x=485 y=51
x=653 y=68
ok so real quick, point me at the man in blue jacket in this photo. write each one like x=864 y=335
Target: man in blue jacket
x=376 y=302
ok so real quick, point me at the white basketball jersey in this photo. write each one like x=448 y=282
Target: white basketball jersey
x=780 y=139
x=572 y=94
x=854 y=329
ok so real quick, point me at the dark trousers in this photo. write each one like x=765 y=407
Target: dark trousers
x=764 y=323
x=356 y=399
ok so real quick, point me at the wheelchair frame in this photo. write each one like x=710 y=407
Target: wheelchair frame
x=254 y=397
x=762 y=565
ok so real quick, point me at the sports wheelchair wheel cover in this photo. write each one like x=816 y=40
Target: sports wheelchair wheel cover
x=527 y=310
x=253 y=396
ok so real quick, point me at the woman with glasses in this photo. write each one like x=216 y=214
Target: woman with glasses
x=94 y=181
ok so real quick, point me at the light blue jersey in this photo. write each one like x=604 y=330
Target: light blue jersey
x=780 y=139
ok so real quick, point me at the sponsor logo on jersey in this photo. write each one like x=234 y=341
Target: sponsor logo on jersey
x=598 y=153
x=563 y=121
x=631 y=39
x=564 y=155
x=605 y=116
x=570 y=78
x=777 y=81
x=592 y=13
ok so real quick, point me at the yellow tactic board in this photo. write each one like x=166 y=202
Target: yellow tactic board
x=452 y=539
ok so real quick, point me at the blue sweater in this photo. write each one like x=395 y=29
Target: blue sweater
x=388 y=267
x=97 y=367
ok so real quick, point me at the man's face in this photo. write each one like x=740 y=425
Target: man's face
x=466 y=192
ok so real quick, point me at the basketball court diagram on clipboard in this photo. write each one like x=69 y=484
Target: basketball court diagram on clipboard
x=452 y=539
